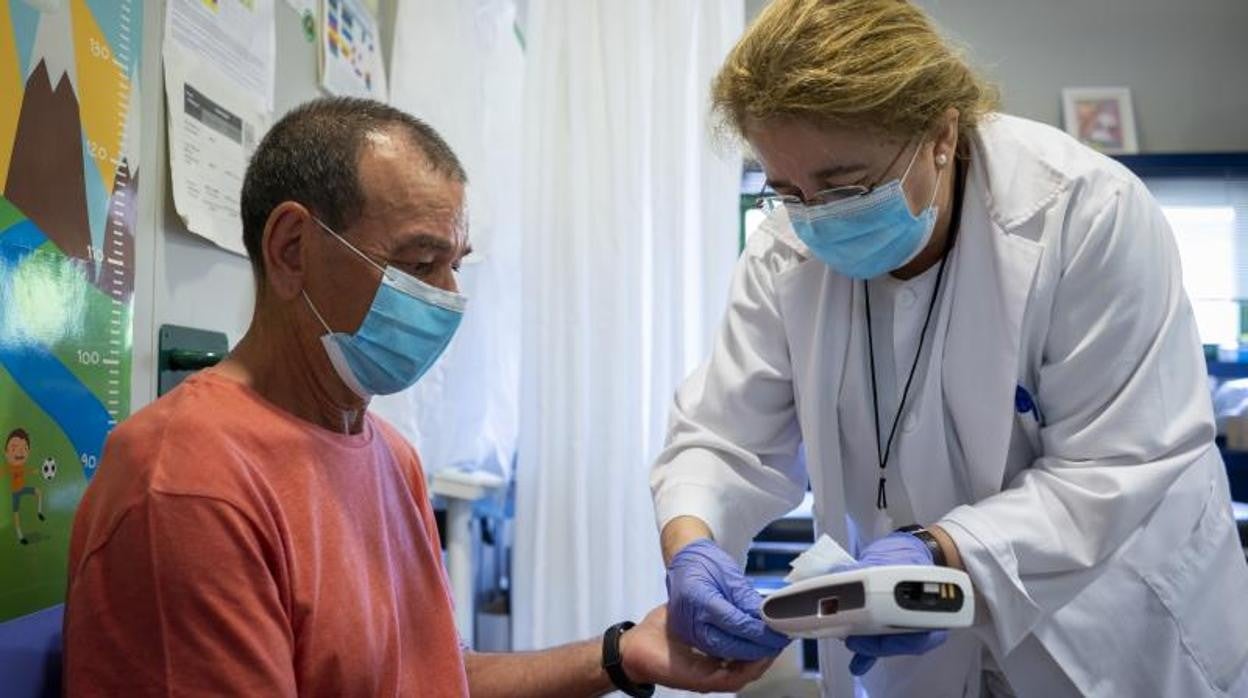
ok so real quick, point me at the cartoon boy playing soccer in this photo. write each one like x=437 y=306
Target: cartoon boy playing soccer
x=16 y=452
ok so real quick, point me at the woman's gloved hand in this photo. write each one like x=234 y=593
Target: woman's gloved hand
x=893 y=549
x=713 y=607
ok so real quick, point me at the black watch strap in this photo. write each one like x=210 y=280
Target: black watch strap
x=938 y=555
x=613 y=662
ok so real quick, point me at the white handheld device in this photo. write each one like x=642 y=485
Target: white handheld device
x=873 y=601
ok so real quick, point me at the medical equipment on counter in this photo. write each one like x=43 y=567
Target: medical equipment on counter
x=873 y=601
x=462 y=488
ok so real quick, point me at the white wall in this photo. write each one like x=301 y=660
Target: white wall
x=180 y=278
x=1185 y=62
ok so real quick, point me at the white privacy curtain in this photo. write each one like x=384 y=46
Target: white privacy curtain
x=459 y=67
x=630 y=235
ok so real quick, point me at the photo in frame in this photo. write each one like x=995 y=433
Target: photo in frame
x=1101 y=117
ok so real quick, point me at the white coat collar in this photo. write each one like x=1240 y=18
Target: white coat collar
x=1020 y=181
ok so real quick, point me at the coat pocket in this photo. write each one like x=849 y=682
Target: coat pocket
x=1200 y=585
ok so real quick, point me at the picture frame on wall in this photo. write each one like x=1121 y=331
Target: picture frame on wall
x=1101 y=117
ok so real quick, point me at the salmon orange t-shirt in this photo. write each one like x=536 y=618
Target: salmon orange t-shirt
x=228 y=548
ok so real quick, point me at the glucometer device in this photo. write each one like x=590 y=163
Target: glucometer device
x=872 y=601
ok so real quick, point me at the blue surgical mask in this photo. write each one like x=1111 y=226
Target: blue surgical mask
x=868 y=235
x=406 y=329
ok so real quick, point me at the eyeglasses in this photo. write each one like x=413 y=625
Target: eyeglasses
x=827 y=196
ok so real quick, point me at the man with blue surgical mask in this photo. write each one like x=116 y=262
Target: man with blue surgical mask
x=257 y=532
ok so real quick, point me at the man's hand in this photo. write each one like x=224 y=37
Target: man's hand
x=647 y=652
x=651 y=655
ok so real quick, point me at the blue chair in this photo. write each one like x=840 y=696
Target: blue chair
x=30 y=654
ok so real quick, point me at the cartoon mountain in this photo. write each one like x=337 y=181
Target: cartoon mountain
x=46 y=179
x=117 y=267
x=53 y=42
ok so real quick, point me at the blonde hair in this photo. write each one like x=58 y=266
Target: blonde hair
x=873 y=64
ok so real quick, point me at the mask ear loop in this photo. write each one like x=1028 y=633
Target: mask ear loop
x=940 y=161
x=351 y=247
x=910 y=166
x=935 y=187
x=315 y=311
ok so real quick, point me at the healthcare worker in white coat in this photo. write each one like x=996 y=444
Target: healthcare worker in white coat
x=966 y=322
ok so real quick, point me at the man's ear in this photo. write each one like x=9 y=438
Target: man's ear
x=282 y=248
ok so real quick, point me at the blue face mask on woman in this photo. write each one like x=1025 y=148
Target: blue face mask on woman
x=867 y=235
x=406 y=329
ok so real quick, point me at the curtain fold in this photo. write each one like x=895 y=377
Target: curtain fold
x=629 y=237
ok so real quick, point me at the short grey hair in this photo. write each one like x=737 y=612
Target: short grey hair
x=311 y=156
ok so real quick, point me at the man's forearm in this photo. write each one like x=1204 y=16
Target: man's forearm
x=569 y=670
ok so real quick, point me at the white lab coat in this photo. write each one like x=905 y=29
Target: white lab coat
x=1100 y=541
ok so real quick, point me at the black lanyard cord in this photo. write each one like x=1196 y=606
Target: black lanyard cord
x=881 y=497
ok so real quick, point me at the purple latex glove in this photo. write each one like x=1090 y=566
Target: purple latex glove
x=893 y=549
x=713 y=607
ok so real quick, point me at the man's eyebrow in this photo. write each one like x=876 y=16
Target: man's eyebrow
x=426 y=241
x=429 y=241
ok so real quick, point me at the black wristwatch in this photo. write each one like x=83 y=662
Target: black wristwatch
x=938 y=555
x=613 y=662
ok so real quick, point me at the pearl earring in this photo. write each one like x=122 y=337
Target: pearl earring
x=942 y=159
